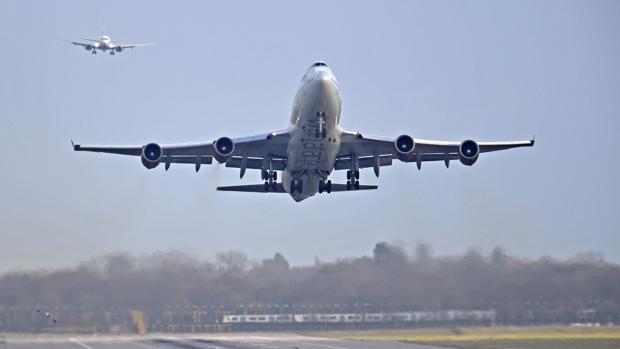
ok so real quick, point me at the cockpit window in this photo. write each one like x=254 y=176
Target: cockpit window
x=319 y=64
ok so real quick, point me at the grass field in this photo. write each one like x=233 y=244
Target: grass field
x=542 y=337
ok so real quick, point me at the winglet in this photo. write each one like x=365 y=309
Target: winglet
x=533 y=140
x=76 y=147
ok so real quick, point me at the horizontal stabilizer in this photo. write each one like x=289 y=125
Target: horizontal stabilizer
x=254 y=188
x=260 y=188
x=343 y=187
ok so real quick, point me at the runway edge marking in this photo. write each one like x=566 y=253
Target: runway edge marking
x=77 y=342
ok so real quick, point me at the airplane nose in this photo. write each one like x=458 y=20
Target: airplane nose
x=323 y=74
x=323 y=79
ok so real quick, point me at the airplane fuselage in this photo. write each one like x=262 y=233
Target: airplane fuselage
x=102 y=44
x=315 y=133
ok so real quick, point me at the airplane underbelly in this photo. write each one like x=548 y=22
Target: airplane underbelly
x=314 y=144
x=311 y=155
x=315 y=141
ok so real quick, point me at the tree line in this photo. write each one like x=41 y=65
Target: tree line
x=390 y=275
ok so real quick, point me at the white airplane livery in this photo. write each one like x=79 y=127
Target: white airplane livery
x=105 y=44
x=311 y=148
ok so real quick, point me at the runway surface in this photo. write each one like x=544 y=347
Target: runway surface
x=219 y=341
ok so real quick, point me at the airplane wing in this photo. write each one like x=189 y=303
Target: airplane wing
x=256 y=150
x=124 y=46
x=77 y=43
x=80 y=43
x=377 y=151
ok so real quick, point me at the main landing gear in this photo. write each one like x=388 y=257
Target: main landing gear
x=353 y=182
x=325 y=186
x=270 y=178
x=94 y=52
x=266 y=175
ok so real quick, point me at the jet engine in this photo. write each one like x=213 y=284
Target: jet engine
x=404 y=146
x=151 y=155
x=118 y=49
x=468 y=152
x=88 y=47
x=224 y=148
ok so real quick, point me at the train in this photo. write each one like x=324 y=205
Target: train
x=352 y=318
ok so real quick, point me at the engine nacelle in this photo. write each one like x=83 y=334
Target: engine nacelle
x=118 y=49
x=151 y=155
x=468 y=152
x=88 y=47
x=224 y=148
x=404 y=146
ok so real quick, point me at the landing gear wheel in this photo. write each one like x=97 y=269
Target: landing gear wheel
x=348 y=185
x=274 y=175
x=266 y=186
x=325 y=186
x=357 y=185
x=274 y=186
x=263 y=174
x=349 y=174
x=357 y=174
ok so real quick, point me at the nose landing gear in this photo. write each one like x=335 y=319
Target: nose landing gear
x=296 y=186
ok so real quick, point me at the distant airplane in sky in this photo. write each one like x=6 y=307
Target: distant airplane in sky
x=310 y=149
x=48 y=316
x=105 y=43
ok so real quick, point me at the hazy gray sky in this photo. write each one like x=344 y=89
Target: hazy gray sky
x=490 y=70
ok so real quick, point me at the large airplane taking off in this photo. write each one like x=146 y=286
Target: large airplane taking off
x=311 y=148
x=106 y=44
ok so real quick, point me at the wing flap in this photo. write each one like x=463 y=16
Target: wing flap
x=256 y=163
x=206 y=160
x=344 y=163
